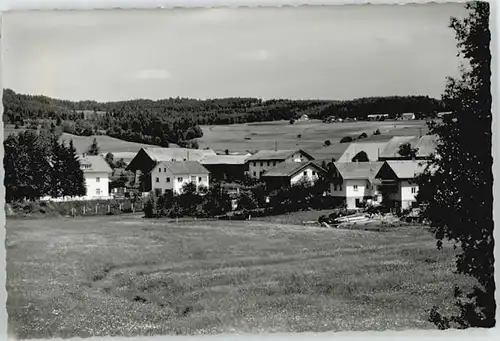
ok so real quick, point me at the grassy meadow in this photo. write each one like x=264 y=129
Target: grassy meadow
x=132 y=276
x=313 y=134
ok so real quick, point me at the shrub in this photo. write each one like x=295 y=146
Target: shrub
x=376 y=132
x=346 y=139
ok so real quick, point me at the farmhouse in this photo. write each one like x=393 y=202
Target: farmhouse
x=355 y=150
x=377 y=117
x=226 y=167
x=120 y=180
x=264 y=160
x=397 y=183
x=287 y=174
x=408 y=116
x=96 y=172
x=426 y=146
x=355 y=182
x=443 y=114
x=173 y=175
x=147 y=158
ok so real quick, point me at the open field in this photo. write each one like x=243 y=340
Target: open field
x=263 y=135
x=127 y=275
x=107 y=143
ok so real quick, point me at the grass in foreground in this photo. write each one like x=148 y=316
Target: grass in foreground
x=130 y=276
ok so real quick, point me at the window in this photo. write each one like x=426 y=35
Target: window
x=157 y=179
x=98 y=191
x=355 y=187
x=165 y=169
x=200 y=179
x=305 y=173
x=413 y=190
x=340 y=187
x=254 y=173
x=168 y=180
x=314 y=173
x=274 y=163
x=255 y=164
x=262 y=164
x=193 y=178
x=268 y=163
x=334 y=187
x=98 y=179
x=179 y=179
x=159 y=169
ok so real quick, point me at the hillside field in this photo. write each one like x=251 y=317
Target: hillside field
x=264 y=135
x=132 y=276
x=107 y=143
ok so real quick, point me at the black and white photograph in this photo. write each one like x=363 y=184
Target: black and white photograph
x=248 y=170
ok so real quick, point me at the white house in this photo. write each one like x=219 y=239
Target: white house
x=354 y=182
x=173 y=175
x=397 y=180
x=408 y=116
x=287 y=174
x=265 y=160
x=96 y=172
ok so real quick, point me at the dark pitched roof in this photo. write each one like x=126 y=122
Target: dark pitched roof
x=184 y=167
x=290 y=169
x=276 y=154
x=358 y=170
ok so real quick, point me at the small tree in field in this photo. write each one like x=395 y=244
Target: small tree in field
x=456 y=189
x=94 y=148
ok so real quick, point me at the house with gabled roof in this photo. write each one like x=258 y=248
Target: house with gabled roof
x=397 y=182
x=147 y=158
x=290 y=173
x=355 y=182
x=264 y=160
x=173 y=175
x=228 y=168
x=96 y=172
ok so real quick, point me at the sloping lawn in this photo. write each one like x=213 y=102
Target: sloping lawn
x=131 y=276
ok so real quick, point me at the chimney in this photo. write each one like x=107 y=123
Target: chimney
x=276 y=145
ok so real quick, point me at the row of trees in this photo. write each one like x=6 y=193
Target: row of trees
x=36 y=165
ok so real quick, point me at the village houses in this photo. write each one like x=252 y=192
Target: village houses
x=173 y=175
x=398 y=182
x=148 y=158
x=232 y=167
x=264 y=160
x=353 y=182
x=290 y=173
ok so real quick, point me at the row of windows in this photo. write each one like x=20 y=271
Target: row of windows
x=339 y=187
x=181 y=179
x=262 y=163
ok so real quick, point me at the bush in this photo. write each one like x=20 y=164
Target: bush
x=376 y=132
x=363 y=136
x=346 y=139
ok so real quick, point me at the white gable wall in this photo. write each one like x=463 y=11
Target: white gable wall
x=166 y=180
x=309 y=173
x=97 y=185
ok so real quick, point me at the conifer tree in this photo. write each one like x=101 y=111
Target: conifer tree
x=94 y=148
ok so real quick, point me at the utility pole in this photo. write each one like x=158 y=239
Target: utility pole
x=276 y=145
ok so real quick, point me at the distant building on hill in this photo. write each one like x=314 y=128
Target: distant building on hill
x=377 y=117
x=173 y=175
x=265 y=160
x=147 y=158
x=408 y=116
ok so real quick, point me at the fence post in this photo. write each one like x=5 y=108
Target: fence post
x=121 y=206
x=133 y=211
x=83 y=209
x=96 y=208
x=109 y=208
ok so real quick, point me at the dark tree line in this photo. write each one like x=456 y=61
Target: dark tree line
x=177 y=120
x=36 y=165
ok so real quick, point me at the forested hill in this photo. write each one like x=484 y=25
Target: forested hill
x=176 y=120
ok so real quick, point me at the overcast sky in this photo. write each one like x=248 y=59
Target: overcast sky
x=334 y=52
